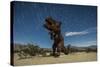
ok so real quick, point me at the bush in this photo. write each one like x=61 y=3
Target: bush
x=28 y=50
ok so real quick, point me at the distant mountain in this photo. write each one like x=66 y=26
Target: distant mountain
x=93 y=47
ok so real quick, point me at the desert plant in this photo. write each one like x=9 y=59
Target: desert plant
x=69 y=48
x=28 y=50
x=33 y=49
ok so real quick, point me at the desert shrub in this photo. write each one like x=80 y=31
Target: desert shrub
x=44 y=52
x=69 y=48
x=91 y=50
x=73 y=50
x=33 y=49
x=16 y=51
x=28 y=50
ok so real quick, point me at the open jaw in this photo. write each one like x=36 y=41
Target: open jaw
x=51 y=24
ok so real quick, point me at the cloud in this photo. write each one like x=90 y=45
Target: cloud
x=75 y=33
x=84 y=32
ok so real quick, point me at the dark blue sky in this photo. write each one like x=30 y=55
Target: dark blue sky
x=79 y=23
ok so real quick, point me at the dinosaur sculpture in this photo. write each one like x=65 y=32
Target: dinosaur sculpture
x=54 y=29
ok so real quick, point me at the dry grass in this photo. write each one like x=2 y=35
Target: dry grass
x=75 y=57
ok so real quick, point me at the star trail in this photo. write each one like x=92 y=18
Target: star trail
x=76 y=20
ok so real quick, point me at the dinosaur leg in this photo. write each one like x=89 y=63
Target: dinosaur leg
x=54 y=49
x=58 y=50
x=64 y=50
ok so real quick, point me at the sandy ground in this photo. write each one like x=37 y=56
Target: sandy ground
x=75 y=57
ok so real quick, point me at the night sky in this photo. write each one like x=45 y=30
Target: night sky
x=79 y=23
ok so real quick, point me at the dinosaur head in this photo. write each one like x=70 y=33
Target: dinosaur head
x=52 y=25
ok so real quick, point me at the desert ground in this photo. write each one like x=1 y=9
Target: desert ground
x=73 y=57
